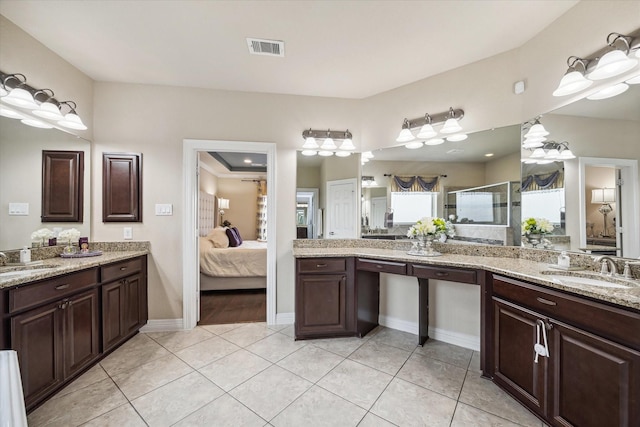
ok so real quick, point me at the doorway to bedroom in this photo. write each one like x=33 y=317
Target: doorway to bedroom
x=229 y=206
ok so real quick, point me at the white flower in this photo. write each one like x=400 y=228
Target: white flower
x=427 y=226
x=43 y=233
x=69 y=235
x=536 y=226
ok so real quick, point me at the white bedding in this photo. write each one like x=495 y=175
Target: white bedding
x=247 y=260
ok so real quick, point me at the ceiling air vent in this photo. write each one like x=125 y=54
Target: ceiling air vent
x=265 y=47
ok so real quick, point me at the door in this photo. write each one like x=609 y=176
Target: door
x=378 y=210
x=341 y=209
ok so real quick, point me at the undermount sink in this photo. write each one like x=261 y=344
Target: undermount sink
x=603 y=282
x=23 y=270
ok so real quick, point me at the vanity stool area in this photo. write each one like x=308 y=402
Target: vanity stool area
x=63 y=318
x=571 y=355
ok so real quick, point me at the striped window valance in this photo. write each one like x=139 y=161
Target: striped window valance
x=546 y=181
x=401 y=183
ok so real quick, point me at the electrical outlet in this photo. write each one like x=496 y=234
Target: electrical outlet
x=128 y=233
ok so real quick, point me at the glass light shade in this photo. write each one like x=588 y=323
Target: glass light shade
x=343 y=153
x=413 y=145
x=309 y=152
x=609 y=92
x=451 y=126
x=20 y=98
x=347 y=144
x=405 y=136
x=427 y=132
x=538 y=153
x=367 y=155
x=537 y=130
x=3 y=91
x=532 y=144
x=572 y=82
x=49 y=110
x=310 y=143
x=434 y=141
x=634 y=80
x=8 y=112
x=603 y=195
x=457 y=137
x=552 y=154
x=534 y=139
x=36 y=123
x=612 y=64
x=566 y=154
x=544 y=161
x=325 y=153
x=72 y=121
x=529 y=161
x=328 y=144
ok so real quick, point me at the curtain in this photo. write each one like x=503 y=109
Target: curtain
x=546 y=181
x=261 y=216
x=414 y=184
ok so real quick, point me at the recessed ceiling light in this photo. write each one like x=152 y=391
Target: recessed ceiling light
x=248 y=161
x=489 y=155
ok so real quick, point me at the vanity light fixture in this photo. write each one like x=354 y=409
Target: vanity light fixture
x=328 y=146
x=609 y=92
x=574 y=80
x=427 y=132
x=368 y=181
x=552 y=151
x=9 y=113
x=615 y=61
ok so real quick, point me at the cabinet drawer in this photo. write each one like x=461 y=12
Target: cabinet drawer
x=322 y=265
x=381 y=266
x=444 y=273
x=31 y=295
x=120 y=269
x=617 y=324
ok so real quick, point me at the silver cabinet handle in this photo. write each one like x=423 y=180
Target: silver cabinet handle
x=321 y=265
x=123 y=268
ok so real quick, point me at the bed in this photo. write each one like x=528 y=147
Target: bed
x=242 y=267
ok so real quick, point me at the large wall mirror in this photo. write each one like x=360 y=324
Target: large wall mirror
x=595 y=204
x=21 y=148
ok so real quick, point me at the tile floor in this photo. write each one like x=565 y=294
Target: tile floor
x=257 y=375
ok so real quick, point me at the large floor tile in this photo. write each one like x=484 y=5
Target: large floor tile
x=355 y=382
x=288 y=331
x=371 y=420
x=444 y=352
x=122 y=416
x=92 y=376
x=275 y=347
x=380 y=356
x=221 y=329
x=468 y=416
x=433 y=374
x=318 y=407
x=311 y=362
x=234 y=369
x=135 y=352
x=176 y=341
x=148 y=377
x=248 y=334
x=340 y=346
x=407 y=404
x=225 y=411
x=78 y=407
x=270 y=391
x=483 y=394
x=206 y=351
x=172 y=402
x=395 y=338
x=474 y=365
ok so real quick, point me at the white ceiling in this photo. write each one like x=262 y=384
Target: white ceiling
x=346 y=49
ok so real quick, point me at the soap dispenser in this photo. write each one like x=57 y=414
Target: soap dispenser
x=25 y=255
x=563 y=260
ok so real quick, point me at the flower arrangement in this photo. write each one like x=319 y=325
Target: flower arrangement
x=428 y=226
x=536 y=226
x=41 y=235
x=69 y=235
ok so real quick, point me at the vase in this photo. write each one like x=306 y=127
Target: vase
x=69 y=249
x=428 y=246
x=534 y=239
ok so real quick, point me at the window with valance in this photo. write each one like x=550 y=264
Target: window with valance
x=416 y=183
x=545 y=181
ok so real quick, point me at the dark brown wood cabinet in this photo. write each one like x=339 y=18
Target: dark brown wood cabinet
x=591 y=377
x=121 y=187
x=62 y=186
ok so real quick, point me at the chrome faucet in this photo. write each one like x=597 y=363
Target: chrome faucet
x=608 y=265
x=3 y=258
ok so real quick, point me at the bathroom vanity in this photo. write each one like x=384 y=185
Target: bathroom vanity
x=63 y=318
x=588 y=372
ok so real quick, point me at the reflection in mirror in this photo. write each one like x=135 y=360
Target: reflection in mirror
x=411 y=184
x=542 y=194
x=604 y=136
x=21 y=149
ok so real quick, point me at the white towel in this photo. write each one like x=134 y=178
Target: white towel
x=12 y=411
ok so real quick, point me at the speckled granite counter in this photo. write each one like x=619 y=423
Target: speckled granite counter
x=51 y=267
x=519 y=263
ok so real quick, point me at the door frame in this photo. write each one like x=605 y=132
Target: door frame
x=190 y=244
x=314 y=195
x=356 y=207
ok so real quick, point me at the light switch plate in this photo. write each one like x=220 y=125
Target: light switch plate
x=128 y=233
x=164 y=209
x=19 y=209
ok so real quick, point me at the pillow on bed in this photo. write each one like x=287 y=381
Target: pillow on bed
x=234 y=237
x=235 y=229
x=219 y=238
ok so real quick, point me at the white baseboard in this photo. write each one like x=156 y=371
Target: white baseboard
x=456 y=338
x=163 y=325
x=285 y=318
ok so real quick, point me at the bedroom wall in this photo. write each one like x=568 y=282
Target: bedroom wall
x=243 y=208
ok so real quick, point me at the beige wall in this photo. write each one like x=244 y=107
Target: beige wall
x=506 y=168
x=243 y=206
x=308 y=177
x=599 y=177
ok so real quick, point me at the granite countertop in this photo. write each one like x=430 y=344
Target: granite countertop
x=525 y=269
x=58 y=266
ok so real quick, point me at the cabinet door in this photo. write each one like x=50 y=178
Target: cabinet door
x=133 y=304
x=37 y=337
x=121 y=187
x=81 y=332
x=595 y=382
x=113 y=296
x=515 y=334
x=322 y=305
x=62 y=186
